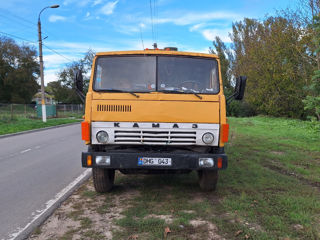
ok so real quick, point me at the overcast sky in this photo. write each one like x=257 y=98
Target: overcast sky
x=104 y=25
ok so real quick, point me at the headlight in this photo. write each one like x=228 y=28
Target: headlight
x=207 y=138
x=102 y=137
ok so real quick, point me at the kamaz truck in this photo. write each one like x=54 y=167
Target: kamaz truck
x=155 y=111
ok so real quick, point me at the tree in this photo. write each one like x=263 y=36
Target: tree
x=312 y=101
x=225 y=58
x=61 y=93
x=19 y=70
x=270 y=54
x=62 y=89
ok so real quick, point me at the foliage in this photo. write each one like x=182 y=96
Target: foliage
x=225 y=58
x=269 y=53
x=19 y=70
x=61 y=93
x=62 y=89
x=278 y=54
x=240 y=109
x=236 y=109
x=312 y=101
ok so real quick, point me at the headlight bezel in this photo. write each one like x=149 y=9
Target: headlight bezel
x=98 y=137
x=206 y=141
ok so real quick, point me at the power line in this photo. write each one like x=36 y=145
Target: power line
x=151 y=16
x=17 y=37
x=14 y=20
x=141 y=37
x=27 y=23
x=14 y=36
x=17 y=27
x=57 y=53
x=156 y=15
x=20 y=18
x=22 y=23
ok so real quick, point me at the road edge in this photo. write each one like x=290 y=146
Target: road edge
x=51 y=206
x=37 y=130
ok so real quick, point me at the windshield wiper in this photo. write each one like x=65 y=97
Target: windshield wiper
x=181 y=92
x=121 y=91
x=171 y=91
x=196 y=94
x=132 y=93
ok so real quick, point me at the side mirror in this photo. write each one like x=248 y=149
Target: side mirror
x=78 y=83
x=240 y=87
x=78 y=80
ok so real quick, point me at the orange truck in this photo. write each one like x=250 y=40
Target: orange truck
x=155 y=111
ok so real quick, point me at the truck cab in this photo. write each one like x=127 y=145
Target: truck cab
x=155 y=111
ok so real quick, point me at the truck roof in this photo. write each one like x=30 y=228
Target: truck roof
x=157 y=52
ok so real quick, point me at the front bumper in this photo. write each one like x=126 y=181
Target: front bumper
x=180 y=161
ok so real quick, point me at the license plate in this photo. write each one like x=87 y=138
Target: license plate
x=146 y=161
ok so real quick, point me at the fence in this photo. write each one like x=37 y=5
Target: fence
x=70 y=110
x=12 y=111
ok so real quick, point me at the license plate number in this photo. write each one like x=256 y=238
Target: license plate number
x=146 y=161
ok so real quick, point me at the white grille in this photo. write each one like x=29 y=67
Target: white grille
x=146 y=133
x=158 y=137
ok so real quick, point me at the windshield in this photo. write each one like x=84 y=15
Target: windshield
x=183 y=74
x=127 y=74
x=156 y=73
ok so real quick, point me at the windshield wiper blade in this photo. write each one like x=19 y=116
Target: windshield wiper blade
x=196 y=95
x=121 y=91
x=132 y=93
x=181 y=92
x=171 y=91
x=194 y=92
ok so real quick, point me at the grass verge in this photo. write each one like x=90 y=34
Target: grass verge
x=271 y=190
x=24 y=124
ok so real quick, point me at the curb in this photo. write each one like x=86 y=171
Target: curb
x=37 y=130
x=52 y=205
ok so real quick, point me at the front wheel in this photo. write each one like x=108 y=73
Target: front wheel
x=103 y=179
x=208 y=179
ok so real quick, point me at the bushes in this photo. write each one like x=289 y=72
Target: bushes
x=240 y=109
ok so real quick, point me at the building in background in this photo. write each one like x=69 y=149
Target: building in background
x=48 y=98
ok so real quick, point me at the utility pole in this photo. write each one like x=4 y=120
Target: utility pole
x=43 y=101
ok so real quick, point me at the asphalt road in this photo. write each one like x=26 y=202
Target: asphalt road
x=34 y=167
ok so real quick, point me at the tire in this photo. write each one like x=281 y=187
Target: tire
x=208 y=179
x=103 y=179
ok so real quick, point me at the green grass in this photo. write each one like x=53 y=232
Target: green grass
x=267 y=192
x=85 y=222
x=89 y=194
x=22 y=124
x=292 y=145
x=69 y=234
x=90 y=234
x=273 y=166
x=76 y=214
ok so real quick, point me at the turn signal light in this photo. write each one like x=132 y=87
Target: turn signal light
x=89 y=160
x=85 y=130
x=225 y=132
